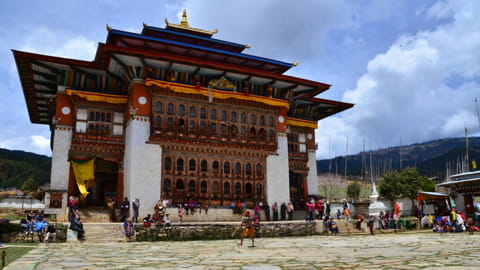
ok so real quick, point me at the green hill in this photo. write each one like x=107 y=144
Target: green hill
x=16 y=167
x=431 y=158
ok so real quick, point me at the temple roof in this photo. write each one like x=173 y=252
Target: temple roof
x=126 y=56
x=164 y=33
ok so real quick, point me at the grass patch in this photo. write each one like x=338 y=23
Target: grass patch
x=12 y=217
x=15 y=252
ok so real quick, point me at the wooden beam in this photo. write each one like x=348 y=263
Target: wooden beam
x=89 y=75
x=49 y=85
x=47 y=76
x=118 y=60
x=115 y=76
x=40 y=64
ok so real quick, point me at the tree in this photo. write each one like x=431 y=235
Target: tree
x=353 y=190
x=29 y=186
x=428 y=185
x=404 y=184
x=389 y=186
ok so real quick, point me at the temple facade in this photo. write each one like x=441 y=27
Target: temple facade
x=172 y=113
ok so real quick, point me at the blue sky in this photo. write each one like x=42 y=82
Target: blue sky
x=411 y=67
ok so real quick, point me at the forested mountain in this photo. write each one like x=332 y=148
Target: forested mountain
x=16 y=167
x=431 y=158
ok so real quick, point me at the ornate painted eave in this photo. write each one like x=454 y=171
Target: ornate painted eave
x=216 y=93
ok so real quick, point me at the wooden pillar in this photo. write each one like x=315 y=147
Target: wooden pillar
x=71 y=182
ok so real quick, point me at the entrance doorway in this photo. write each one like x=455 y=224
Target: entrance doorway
x=106 y=183
x=297 y=194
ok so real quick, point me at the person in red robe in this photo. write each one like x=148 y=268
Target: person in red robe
x=397 y=211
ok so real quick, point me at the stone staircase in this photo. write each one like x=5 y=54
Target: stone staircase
x=103 y=232
x=95 y=215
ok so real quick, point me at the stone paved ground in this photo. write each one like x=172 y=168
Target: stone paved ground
x=387 y=251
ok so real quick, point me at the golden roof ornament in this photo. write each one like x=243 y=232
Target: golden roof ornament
x=295 y=63
x=185 y=26
x=184 y=21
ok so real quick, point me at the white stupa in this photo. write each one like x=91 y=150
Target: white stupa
x=375 y=206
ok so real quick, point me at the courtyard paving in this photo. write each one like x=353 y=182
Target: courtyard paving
x=382 y=251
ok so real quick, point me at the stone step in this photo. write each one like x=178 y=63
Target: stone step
x=103 y=232
x=95 y=215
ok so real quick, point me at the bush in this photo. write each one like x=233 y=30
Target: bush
x=8 y=231
x=353 y=190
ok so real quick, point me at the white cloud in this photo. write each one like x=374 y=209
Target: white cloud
x=40 y=141
x=404 y=96
x=45 y=41
x=457 y=122
x=77 y=48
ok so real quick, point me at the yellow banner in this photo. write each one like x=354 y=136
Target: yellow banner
x=84 y=172
x=97 y=96
x=302 y=123
x=219 y=94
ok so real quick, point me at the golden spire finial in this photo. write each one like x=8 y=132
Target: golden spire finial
x=295 y=63
x=184 y=21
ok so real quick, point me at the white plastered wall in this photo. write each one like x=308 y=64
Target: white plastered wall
x=60 y=165
x=142 y=166
x=277 y=180
x=312 y=178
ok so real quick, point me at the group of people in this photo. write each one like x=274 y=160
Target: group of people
x=159 y=218
x=125 y=209
x=34 y=222
x=387 y=221
x=317 y=209
x=455 y=222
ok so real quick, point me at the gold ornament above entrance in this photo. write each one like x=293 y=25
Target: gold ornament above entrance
x=222 y=83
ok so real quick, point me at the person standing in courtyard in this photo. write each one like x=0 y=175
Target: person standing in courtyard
x=396 y=216
x=290 y=210
x=136 y=207
x=310 y=209
x=370 y=223
x=258 y=209
x=283 y=211
x=320 y=209
x=180 y=212
x=327 y=208
x=266 y=210
x=248 y=229
x=275 y=211
x=125 y=209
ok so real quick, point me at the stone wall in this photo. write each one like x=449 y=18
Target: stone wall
x=19 y=203
x=212 y=231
